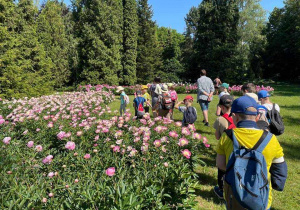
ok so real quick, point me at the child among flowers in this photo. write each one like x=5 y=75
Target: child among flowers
x=189 y=112
x=122 y=98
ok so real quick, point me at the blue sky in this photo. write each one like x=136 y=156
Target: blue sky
x=171 y=13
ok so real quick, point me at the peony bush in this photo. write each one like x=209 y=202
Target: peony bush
x=70 y=151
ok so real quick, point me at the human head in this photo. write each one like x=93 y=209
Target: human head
x=248 y=88
x=171 y=86
x=119 y=89
x=157 y=80
x=202 y=72
x=164 y=88
x=263 y=96
x=244 y=108
x=139 y=93
x=222 y=89
x=225 y=103
x=188 y=100
x=225 y=85
x=144 y=89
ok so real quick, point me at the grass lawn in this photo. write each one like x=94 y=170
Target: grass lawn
x=288 y=98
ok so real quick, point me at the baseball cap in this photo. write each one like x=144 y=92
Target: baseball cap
x=225 y=85
x=226 y=100
x=189 y=97
x=144 y=87
x=241 y=105
x=263 y=94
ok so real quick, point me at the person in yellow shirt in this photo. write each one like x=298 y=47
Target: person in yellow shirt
x=247 y=134
x=147 y=97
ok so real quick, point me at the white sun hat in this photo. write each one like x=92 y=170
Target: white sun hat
x=119 y=88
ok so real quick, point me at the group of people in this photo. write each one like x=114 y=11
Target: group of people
x=249 y=157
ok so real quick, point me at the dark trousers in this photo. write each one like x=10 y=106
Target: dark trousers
x=147 y=109
x=221 y=178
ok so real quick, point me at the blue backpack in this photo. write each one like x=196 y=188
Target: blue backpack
x=247 y=175
x=189 y=116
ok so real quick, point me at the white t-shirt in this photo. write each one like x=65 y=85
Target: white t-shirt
x=270 y=107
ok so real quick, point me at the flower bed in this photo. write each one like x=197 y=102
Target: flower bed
x=70 y=152
x=181 y=88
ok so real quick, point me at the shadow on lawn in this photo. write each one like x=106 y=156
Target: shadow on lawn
x=210 y=196
x=287 y=90
x=290 y=150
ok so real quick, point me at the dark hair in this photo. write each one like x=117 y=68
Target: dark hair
x=221 y=89
x=249 y=87
x=157 y=79
x=203 y=72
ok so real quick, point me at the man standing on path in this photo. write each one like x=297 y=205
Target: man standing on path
x=205 y=94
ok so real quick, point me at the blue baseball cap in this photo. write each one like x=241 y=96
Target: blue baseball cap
x=241 y=105
x=263 y=94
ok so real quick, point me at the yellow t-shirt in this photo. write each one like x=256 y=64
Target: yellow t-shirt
x=248 y=138
x=147 y=97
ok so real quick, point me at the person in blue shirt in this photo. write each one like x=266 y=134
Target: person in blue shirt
x=139 y=110
x=122 y=100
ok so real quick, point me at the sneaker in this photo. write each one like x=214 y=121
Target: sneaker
x=203 y=121
x=218 y=192
x=206 y=124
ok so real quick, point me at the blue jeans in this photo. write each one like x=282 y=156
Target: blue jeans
x=204 y=104
x=122 y=109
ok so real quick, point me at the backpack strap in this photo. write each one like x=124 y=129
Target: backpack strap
x=230 y=120
x=263 y=141
x=229 y=133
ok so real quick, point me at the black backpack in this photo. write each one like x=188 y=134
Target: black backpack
x=190 y=115
x=276 y=125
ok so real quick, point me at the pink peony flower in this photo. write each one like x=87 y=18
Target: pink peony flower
x=51 y=174
x=39 y=148
x=48 y=159
x=76 y=180
x=173 y=134
x=87 y=156
x=110 y=171
x=2 y=121
x=166 y=164
x=44 y=200
x=61 y=135
x=51 y=195
x=6 y=140
x=30 y=144
x=178 y=124
x=207 y=145
x=116 y=149
x=186 y=153
x=205 y=140
x=197 y=136
x=79 y=133
x=157 y=143
x=70 y=145
x=185 y=131
x=183 y=142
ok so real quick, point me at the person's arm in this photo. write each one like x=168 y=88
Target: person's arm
x=217 y=135
x=221 y=162
x=178 y=104
x=200 y=89
x=278 y=171
x=218 y=112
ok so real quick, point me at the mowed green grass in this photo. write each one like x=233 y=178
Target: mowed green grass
x=288 y=98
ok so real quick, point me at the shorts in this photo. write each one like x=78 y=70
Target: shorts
x=154 y=101
x=204 y=104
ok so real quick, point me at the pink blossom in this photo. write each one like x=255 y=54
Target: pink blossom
x=79 y=133
x=178 y=124
x=87 y=156
x=183 y=142
x=70 y=145
x=185 y=131
x=38 y=129
x=2 y=121
x=157 y=143
x=166 y=164
x=205 y=140
x=44 y=200
x=6 y=140
x=61 y=135
x=51 y=195
x=173 y=134
x=116 y=149
x=197 y=136
x=30 y=144
x=207 y=145
x=50 y=125
x=164 y=139
x=39 y=148
x=51 y=174
x=76 y=180
x=186 y=153
x=110 y=171
x=133 y=152
x=48 y=159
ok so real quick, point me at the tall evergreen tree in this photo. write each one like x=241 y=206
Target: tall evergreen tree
x=25 y=69
x=99 y=30
x=217 y=38
x=52 y=34
x=148 y=57
x=130 y=35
